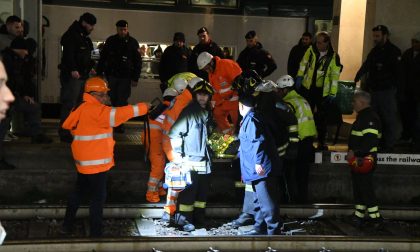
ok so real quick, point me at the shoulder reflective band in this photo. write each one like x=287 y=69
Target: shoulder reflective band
x=170 y=120
x=305 y=118
x=93 y=137
x=154 y=126
x=136 y=110
x=234 y=98
x=112 y=117
x=224 y=90
x=93 y=162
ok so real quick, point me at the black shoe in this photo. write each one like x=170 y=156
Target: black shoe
x=41 y=139
x=5 y=165
x=252 y=232
x=119 y=129
x=244 y=219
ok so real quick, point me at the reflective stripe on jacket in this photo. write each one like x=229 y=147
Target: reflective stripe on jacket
x=91 y=125
x=221 y=79
x=303 y=112
x=326 y=75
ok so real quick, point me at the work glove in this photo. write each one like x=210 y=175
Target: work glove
x=298 y=83
x=266 y=86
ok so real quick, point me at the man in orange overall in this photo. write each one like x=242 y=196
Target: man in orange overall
x=222 y=72
x=152 y=140
x=91 y=124
x=171 y=115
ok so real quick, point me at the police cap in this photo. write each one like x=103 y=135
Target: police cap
x=202 y=29
x=121 y=23
x=88 y=18
x=250 y=35
x=381 y=28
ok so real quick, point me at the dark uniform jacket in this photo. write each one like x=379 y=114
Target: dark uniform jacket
x=77 y=48
x=174 y=60
x=191 y=127
x=295 y=56
x=258 y=59
x=280 y=121
x=256 y=147
x=19 y=74
x=211 y=48
x=120 y=58
x=365 y=133
x=411 y=70
x=382 y=67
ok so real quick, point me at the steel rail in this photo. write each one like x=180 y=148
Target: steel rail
x=215 y=211
x=240 y=243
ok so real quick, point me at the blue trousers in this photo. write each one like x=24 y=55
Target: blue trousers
x=266 y=208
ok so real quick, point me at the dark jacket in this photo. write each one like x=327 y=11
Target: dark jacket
x=191 y=126
x=383 y=68
x=120 y=58
x=174 y=60
x=258 y=59
x=295 y=56
x=365 y=133
x=281 y=122
x=19 y=74
x=411 y=76
x=256 y=147
x=211 y=48
x=77 y=48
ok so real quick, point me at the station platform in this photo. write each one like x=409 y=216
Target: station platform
x=46 y=173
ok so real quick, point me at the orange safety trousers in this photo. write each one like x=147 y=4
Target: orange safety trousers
x=221 y=113
x=156 y=155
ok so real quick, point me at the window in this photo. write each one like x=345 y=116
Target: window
x=152 y=2
x=216 y=3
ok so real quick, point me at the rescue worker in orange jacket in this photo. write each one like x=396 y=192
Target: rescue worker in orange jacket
x=171 y=115
x=91 y=125
x=152 y=140
x=222 y=72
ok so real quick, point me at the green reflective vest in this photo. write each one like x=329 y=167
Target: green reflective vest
x=303 y=113
x=327 y=72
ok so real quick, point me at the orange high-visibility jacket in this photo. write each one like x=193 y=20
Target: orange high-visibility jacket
x=91 y=125
x=221 y=79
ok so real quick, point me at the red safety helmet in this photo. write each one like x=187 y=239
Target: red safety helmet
x=96 y=84
x=365 y=167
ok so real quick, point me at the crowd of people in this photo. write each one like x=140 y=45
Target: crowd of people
x=276 y=123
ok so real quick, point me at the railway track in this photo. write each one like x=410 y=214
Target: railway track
x=319 y=227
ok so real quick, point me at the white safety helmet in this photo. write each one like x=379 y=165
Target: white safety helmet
x=204 y=59
x=180 y=84
x=194 y=81
x=170 y=92
x=285 y=81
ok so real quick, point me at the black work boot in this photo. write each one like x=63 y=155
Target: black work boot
x=181 y=222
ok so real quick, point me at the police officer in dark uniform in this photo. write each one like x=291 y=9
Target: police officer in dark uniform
x=205 y=45
x=76 y=64
x=120 y=62
x=254 y=57
x=383 y=69
x=174 y=59
x=362 y=157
